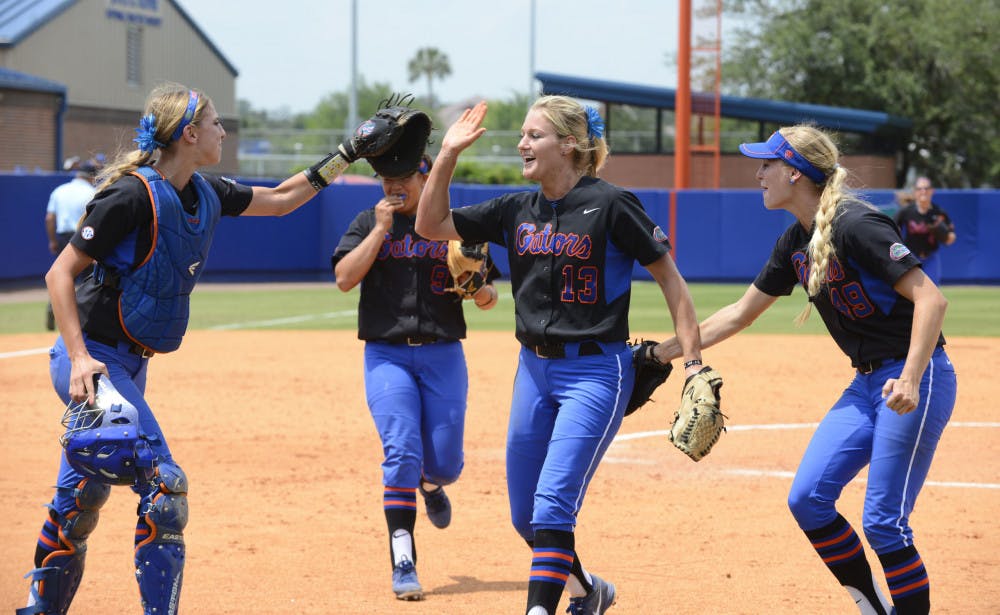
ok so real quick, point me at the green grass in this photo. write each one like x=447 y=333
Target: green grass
x=972 y=310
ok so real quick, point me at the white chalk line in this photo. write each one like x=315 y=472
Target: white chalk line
x=274 y=322
x=782 y=473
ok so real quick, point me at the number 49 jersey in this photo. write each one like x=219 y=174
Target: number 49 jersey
x=570 y=260
x=867 y=318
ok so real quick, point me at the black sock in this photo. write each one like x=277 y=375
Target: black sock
x=400 y=506
x=909 y=585
x=841 y=550
x=551 y=563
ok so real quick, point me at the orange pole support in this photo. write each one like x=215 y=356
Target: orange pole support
x=682 y=115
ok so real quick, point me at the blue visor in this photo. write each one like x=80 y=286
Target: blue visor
x=777 y=147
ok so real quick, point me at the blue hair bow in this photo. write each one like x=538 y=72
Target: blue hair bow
x=595 y=125
x=147 y=134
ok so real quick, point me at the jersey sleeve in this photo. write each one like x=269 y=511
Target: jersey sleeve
x=112 y=214
x=356 y=232
x=777 y=278
x=874 y=241
x=235 y=197
x=634 y=232
x=484 y=221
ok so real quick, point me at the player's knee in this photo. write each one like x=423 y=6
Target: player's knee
x=806 y=507
x=524 y=529
x=165 y=505
x=88 y=497
x=886 y=535
x=442 y=476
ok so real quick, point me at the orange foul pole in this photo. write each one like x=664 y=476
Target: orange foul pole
x=682 y=116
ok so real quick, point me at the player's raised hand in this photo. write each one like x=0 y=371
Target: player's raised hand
x=466 y=129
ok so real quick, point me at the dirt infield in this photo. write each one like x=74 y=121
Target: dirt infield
x=286 y=501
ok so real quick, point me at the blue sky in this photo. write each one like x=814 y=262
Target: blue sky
x=293 y=59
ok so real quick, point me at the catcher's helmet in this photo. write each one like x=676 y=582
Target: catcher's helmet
x=103 y=440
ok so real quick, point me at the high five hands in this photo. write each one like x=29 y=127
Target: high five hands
x=465 y=130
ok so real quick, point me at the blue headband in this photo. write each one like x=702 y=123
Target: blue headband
x=188 y=115
x=777 y=147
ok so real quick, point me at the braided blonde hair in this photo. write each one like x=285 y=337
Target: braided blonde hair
x=820 y=150
x=570 y=119
x=167 y=103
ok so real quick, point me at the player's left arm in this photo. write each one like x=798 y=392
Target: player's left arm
x=675 y=291
x=283 y=199
x=929 y=305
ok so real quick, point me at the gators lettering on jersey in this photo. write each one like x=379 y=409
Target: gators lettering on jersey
x=867 y=318
x=403 y=294
x=570 y=261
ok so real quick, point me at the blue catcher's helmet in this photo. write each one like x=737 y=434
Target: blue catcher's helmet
x=103 y=440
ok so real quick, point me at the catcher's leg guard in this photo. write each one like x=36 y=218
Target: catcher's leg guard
x=159 y=539
x=62 y=550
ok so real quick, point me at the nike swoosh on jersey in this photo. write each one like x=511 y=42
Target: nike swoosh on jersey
x=590 y=211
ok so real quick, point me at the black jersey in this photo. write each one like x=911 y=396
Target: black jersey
x=570 y=261
x=403 y=294
x=123 y=211
x=917 y=228
x=866 y=317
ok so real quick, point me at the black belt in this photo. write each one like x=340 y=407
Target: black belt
x=867 y=367
x=557 y=350
x=416 y=340
x=135 y=349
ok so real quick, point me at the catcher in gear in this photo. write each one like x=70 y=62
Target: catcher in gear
x=411 y=318
x=137 y=226
x=885 y=314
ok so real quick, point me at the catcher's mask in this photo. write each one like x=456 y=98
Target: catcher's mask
x=103 y=440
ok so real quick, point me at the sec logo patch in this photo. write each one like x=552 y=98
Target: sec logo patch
x=659 y=235
x=87 y=232
x=897 y=251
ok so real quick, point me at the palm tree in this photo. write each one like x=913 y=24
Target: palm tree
x=431 y=63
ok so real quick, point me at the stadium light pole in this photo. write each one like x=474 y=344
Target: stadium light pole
x=352 y=99
x=531 y=57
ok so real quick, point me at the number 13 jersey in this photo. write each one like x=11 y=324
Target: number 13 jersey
x=570 y=260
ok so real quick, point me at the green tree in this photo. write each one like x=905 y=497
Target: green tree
x=931 y=61
x=430 y=63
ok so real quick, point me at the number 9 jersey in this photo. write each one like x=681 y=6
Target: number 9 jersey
x=570 y=260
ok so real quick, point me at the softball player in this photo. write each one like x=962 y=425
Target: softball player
x=416 y=380
x=571 y=247
x=925 y=227
x=886 y=315
x=149 y=229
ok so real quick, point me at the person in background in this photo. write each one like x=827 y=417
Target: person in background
x=925 y=227
x=64 y=211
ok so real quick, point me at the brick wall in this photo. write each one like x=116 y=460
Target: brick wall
x=28 y=130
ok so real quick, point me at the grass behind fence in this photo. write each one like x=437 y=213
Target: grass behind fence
x=972 y=310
